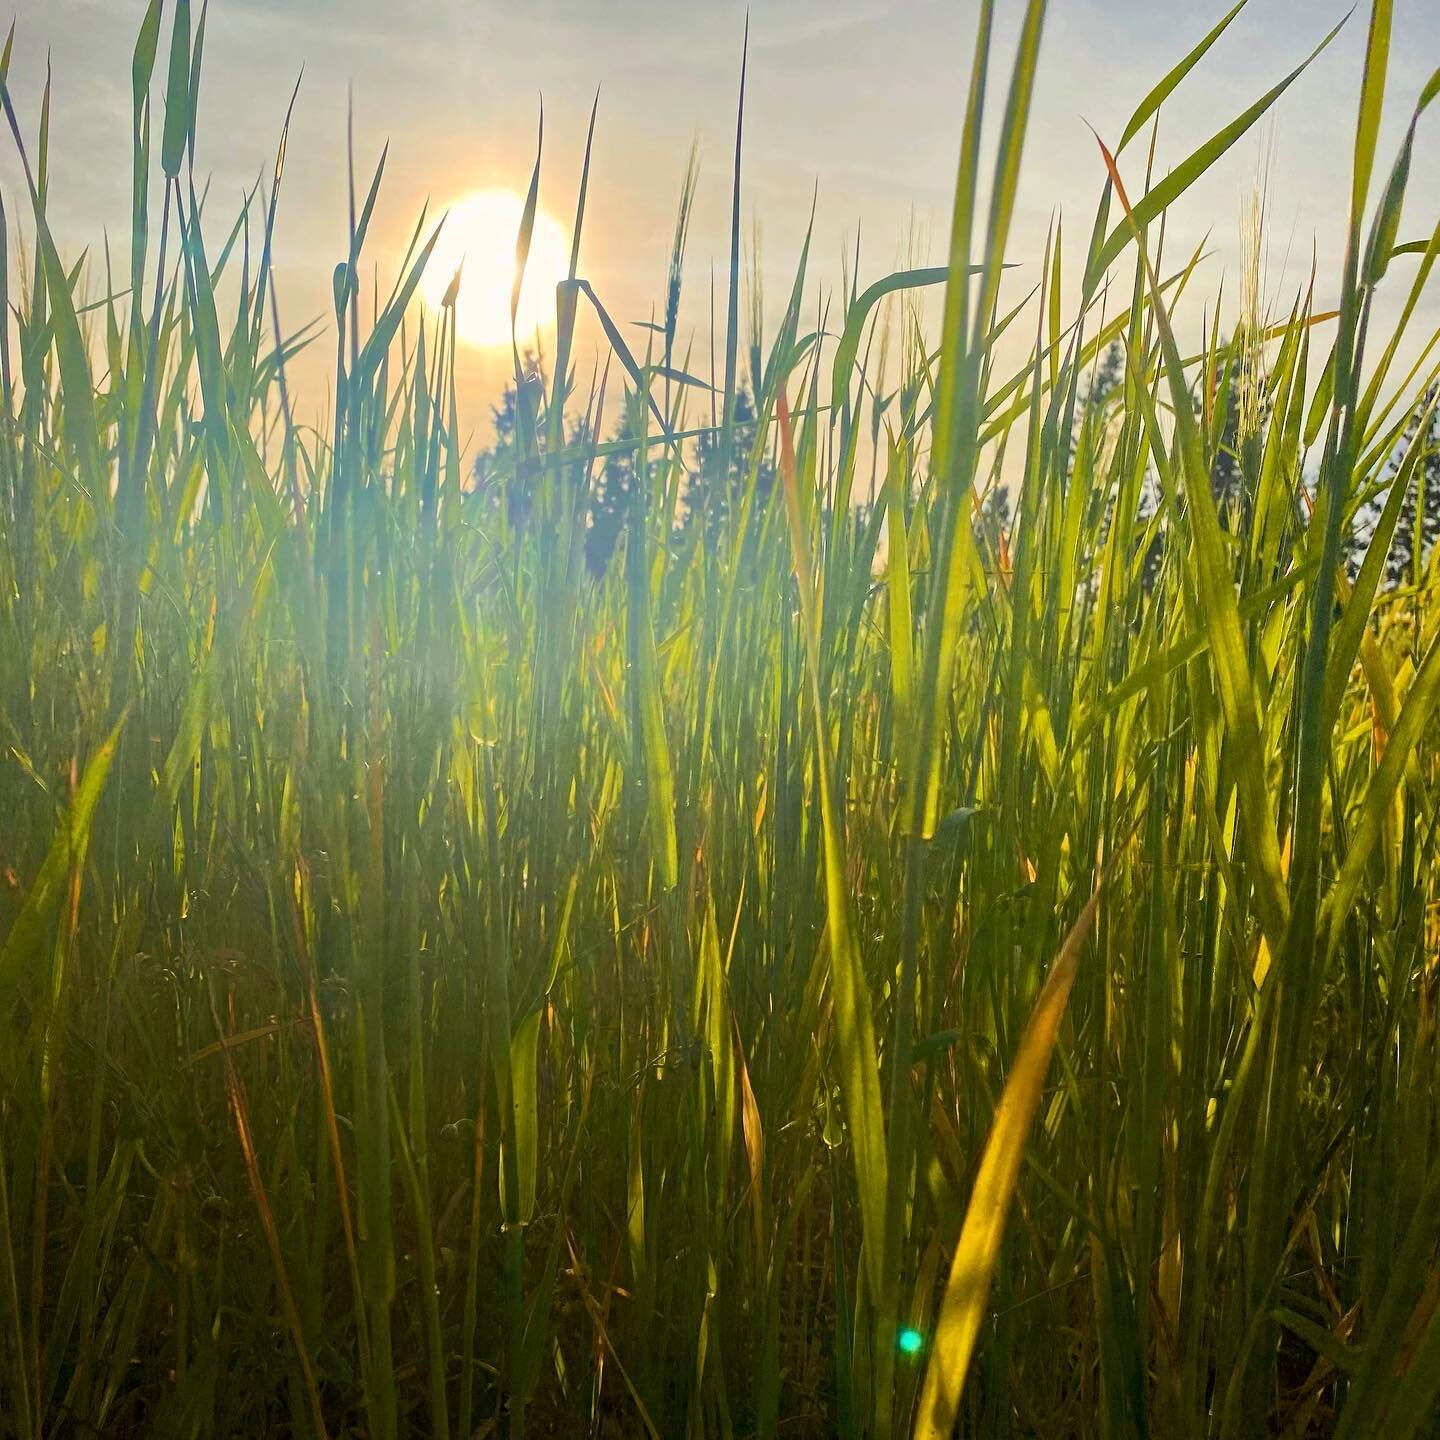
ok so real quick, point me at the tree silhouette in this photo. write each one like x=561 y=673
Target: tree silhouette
x=515 y=419
x=612 y=495
x=713 y=490
x=711 y=494
x=1418 y=526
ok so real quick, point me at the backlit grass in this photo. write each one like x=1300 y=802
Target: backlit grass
x=965 y=961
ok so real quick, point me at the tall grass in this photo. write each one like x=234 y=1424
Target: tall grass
x=848 y=970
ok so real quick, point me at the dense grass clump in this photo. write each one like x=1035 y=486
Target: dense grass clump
x=952 y=962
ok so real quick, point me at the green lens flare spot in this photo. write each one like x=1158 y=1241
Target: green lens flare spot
x=911 y=1341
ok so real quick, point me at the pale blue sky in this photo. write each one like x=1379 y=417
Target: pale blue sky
x=862 y=98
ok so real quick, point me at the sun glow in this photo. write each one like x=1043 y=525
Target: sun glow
x=478 y=240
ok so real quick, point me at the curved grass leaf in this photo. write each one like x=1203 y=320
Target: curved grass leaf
x=28 y=939
x=977 y=1251
x=1160 y=197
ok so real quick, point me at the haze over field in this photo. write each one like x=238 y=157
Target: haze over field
x=454 y=86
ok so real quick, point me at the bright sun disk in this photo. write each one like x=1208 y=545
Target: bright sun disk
x=480 y=233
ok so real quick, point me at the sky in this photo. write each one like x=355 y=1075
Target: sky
x=855 y=105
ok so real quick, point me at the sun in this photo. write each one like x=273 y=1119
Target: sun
x=478 y=239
